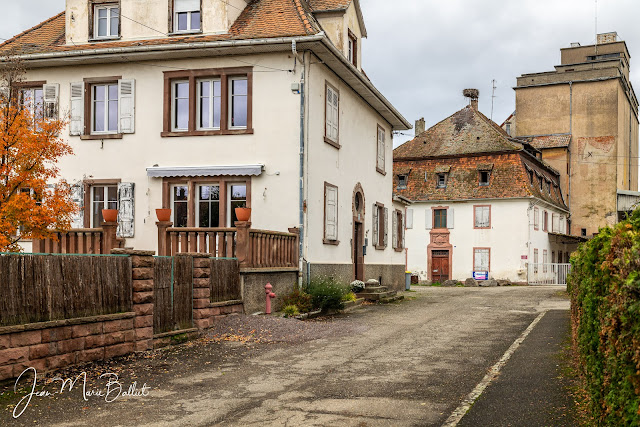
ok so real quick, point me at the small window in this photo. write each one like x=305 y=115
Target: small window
x=484 y=177
x=106 y=21
x=482 y=217
x=102 y=197
x=441 y=180
x=186 y=16
x=545 y=221
x=508 y=129
x=402 y=182
x=439 y=218
x=352 y=54
x=236 y=198
x=531 y=177
x=481 y=259
x=104 y=99
x=583 y=232
x=540 y=182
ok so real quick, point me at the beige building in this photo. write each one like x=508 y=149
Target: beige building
x=583 y=117
x=204 y=106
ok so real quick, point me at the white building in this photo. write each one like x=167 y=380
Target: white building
x=482 y=202
x=227 y=103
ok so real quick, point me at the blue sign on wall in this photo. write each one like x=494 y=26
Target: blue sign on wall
x=481 y=275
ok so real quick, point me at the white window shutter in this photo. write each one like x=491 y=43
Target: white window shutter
x=409 y=220
x=403 y=218
x=126 y=209
x=77 y=196
x=449 y=217
x=76 y=121
x=386 y=227
x=394 y=231
x=126 y=105
x=376 y=222
x=51 y=95
x=428 y=218
x=331 y=214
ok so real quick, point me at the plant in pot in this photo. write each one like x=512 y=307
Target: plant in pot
x=243 y=214
x=110 y=215
x=164 y=215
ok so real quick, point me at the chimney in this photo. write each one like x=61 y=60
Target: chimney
x=473 y=95
x=419 y=128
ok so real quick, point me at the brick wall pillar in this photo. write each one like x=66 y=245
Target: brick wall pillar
x=202 y=311
x=143 y=264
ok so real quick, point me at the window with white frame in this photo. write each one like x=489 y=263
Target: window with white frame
x=380 y=162
x=106 y=21
x=209 y=104
x=33 y=100
x=330 y=214
x=481 y=259
x=536 y=218
x=104 y=111
x=186 y=16
x=238 y=100
x=332 y=111
x=180 y=117
x=482 y=216
x=102 y=197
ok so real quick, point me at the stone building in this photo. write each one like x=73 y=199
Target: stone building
x=482 y=202
x=583 y=117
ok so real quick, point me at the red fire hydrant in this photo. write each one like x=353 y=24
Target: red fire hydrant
x=270 y=295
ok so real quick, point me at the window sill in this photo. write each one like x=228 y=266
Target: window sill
x=482 y=228
x=382 y=172
x=101 y=136
x=331 y=242
x=104 y=39
x=332 y=143
x=399 y=249
x=208 y=132
x=185 y=33
x=379 y=248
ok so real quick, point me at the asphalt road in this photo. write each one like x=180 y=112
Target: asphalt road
x=406 y=364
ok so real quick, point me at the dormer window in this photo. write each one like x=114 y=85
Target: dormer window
x=107 y=21
x=352 y=54
x=186 y=16
x=441 y=180
x=402 y=182
x=484 y=177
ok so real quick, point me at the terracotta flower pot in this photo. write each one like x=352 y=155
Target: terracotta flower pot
x=164 y=215
x=110 y=215
x=243 y=214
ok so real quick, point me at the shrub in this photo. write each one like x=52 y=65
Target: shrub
x=357 y=286
x=604 y=285
x=290 y=311
x=349 y=297
x=300 y=299
x=327 y=293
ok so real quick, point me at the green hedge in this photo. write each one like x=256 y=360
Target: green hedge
x=605 y=306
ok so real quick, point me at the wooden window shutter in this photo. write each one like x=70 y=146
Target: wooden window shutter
x=331 y=213
x=76 y=121
x=77 y=196
x=51 y=95
x=449 y=217
x=386 y=227
x=428 y=218
x=409 y=218
x=375 y=225
x=126 y=209
x=126 y=106
x=394 y=231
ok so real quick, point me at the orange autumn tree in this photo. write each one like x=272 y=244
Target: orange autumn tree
x=30 y=146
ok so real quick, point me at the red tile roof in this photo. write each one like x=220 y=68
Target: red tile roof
x=260 y=19
x=547 y=141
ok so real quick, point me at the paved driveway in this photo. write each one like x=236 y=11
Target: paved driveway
x=401 y=364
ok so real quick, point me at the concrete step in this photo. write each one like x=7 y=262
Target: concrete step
x=376 y=296
x=391 y=299
x=374 y=289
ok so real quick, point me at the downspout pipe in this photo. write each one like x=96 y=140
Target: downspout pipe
x=570 y=142
x=301 y=177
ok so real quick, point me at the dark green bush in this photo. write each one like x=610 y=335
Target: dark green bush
x=300 y=299
x=327 y=293
x=605 y=308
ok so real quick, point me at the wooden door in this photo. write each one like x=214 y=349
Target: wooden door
x=358 y=251
x=440 y=266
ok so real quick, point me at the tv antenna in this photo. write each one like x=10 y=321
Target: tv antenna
x=596 y=27
x=493 y=95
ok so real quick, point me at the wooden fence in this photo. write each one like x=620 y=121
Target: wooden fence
x=38 y=288
x=224 y=280
x=173 y=294
x=272 y=249
x=81 y=241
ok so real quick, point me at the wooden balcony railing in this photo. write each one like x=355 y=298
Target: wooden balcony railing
x=252 y=248
x=219 y=242
x=94 y=241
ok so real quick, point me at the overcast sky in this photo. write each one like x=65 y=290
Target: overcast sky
x=422 y=54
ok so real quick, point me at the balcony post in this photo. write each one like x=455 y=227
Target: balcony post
x=109 y=236
x=163 y=237
x=243 y=243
